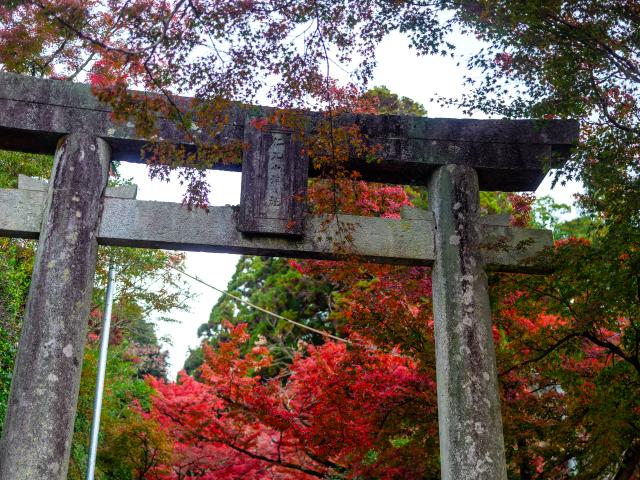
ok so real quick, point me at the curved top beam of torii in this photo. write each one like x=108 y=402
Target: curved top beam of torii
x=509 y=155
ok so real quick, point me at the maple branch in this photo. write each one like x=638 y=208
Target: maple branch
x=545 y=387
x=172 y=103
x=605 y=109
x=111 y=31
x=81 y=67
x=54 y=54
x=588 y=40
x=257 y=456
x=87 y=38
x=390 y=411
x=613 y=348
x=544 y=353
x=280 y=447
x=326 y=463
x=629 y=463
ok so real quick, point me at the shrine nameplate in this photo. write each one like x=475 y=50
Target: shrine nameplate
x=274 y=182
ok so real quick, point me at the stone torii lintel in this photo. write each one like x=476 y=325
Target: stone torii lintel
x=509 y=155
x=409 y=240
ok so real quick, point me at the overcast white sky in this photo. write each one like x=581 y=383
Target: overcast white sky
x=404 y=73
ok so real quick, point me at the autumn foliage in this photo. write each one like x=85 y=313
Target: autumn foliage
x=308 y=422
x=271 y=400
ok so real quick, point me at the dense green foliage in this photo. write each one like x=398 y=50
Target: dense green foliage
x=272 y=284
x=123 y=387
x=385 y=102
x=16 y=258
x=15 y=271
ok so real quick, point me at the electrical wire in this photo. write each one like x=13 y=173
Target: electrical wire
x=253 y=305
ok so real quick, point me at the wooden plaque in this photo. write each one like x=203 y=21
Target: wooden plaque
x=274 y=182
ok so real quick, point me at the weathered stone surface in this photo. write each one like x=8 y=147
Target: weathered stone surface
x=171 y=226
x=21 y=213
x=408 y=241
x=470 y=423
x=509 y=155
x=274 y=182
x=38 y=427
x=412 y=213
x=30 y=183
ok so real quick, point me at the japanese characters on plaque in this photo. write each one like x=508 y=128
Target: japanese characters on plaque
x=274 y=181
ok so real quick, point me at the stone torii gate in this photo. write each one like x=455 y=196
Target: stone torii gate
x=75 y=213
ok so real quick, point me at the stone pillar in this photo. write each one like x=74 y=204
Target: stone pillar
x=38 y=429
x=470 y=423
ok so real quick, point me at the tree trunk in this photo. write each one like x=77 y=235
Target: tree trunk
x=630 y=462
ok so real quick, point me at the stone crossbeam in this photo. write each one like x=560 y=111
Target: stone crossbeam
x=30 y=183
x=508 y=155
x=407 y=241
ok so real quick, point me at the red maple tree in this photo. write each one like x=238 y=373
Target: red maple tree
x=338 y=409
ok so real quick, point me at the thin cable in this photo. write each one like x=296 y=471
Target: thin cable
x=253 y=305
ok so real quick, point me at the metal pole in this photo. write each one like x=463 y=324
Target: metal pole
x=102 y=366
